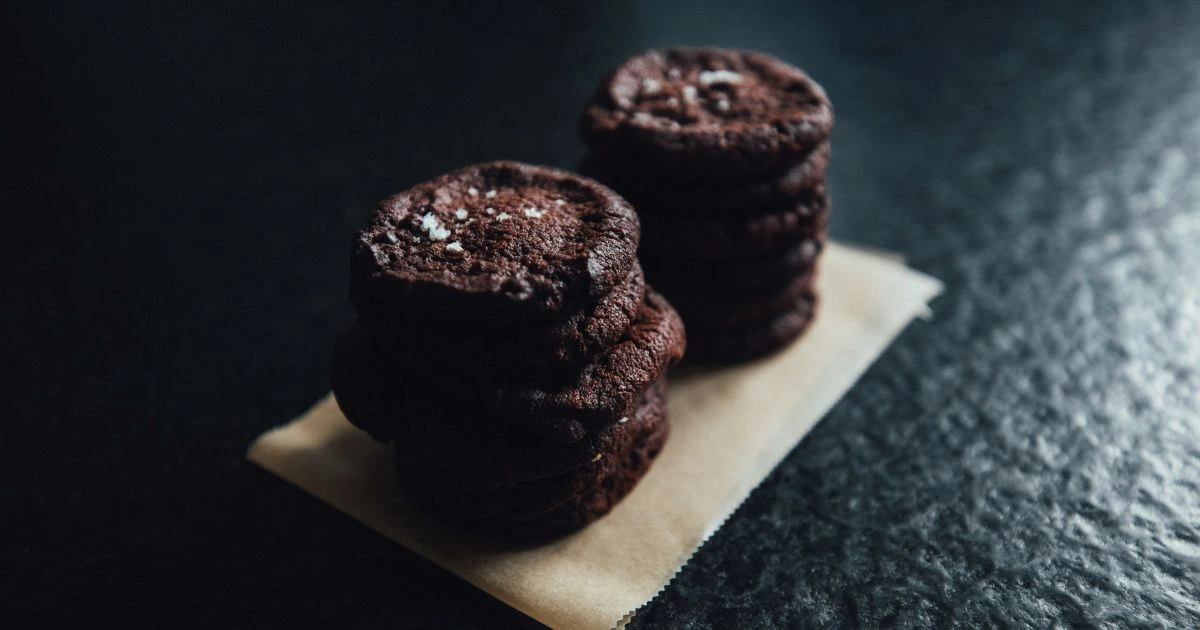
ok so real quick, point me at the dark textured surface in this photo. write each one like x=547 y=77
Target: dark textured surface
x=179 y=218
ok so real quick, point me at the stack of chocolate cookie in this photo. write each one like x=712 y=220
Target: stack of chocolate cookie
x=508 y=347
x=723 y=153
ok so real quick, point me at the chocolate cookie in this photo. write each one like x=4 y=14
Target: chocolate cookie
x=703 y=309
x=583 y=507
x=742 y=343
x=606 y=388
x=534 y=497
x=474 y=457
x=661 y=196
x=492 y=244
x=690 y=113
x=393 y=402
x=517 y=353
x=759 y=234
x=734 y=275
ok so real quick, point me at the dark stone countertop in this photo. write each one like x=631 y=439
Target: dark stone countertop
x=177 y=227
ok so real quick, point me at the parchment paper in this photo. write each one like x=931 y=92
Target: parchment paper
x=730 y=427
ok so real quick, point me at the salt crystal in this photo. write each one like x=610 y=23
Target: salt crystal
x=674 y=74
x=460 y=214
x=651 y=86
x=490 y=210
x=455 y=247
x=689 y=93
x=711 y=77
x=559 y=202
x=490 y=194
x=473 y=191
x=503 y=216
x=723 y=105
x=534 y=213
x=433 y=227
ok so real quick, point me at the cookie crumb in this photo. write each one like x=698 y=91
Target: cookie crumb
x=473 y=191
x=534 y=213
x=715 y=77
x=460 y=214
x=651 y=87
x=490 y=194
x=455 y=247
x=503 y=216
x=597 y=457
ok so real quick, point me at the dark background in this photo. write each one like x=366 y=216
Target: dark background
x=178 y=205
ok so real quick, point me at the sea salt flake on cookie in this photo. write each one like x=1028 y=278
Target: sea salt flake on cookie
x=534 y=213
x=719 y=77
x=460 y=214
x=433 y=227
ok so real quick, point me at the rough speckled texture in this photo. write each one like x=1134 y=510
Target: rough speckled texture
x=1029 y=455
x=696 y=113
x=499 y=241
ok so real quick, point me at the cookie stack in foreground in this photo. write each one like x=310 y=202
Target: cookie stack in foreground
x=508 y=347
x=723 y=153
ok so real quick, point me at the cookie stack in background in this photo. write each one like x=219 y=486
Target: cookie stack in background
x=723 y=154
x=508 y=347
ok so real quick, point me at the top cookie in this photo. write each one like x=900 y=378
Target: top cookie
x=688 y=113
x=492 y=243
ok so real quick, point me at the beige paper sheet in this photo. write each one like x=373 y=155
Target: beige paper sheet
x=730 y=427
